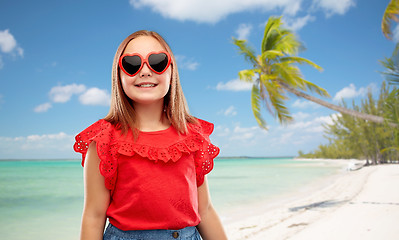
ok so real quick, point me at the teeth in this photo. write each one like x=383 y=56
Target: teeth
x=147 y=85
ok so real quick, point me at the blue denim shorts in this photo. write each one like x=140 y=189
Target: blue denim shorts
x=188 y=233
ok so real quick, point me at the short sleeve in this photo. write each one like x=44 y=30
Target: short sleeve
x=103 y=133
x=205 y=156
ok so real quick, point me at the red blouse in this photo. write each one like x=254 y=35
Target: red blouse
x=153 y=180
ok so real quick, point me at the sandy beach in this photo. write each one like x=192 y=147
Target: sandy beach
x=361 y=204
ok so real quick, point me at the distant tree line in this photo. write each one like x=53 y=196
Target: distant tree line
x=351 y=137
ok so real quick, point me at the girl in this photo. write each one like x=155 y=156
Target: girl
x=145 y=162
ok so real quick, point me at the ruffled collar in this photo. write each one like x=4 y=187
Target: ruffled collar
x=167 y=145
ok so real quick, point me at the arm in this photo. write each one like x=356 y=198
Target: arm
x=210 y=226
x=96 y=198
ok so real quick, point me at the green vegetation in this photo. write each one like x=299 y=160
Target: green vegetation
x=391 y=13
x=354 y=138
x=274 y=73
x=351 y=137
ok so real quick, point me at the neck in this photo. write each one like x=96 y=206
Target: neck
x=151 y=117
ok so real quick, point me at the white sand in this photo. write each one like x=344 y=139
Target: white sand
x=362 y=204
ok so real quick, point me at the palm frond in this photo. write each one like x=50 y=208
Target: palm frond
x=391 y=106
x=246 y=50
x=291 y=75
x=392 y=66
x=288 y=74
x=255 y=103
x=391 y=13
x=270 y=54
x=264 y=94
x=247 y=75
x=288 y=42
x=300 y=60
x=276 y=99
x=269 y=36
x=278 y=38
x=389 y=149
x=314 y=88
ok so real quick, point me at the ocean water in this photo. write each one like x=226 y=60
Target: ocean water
x=44 y=199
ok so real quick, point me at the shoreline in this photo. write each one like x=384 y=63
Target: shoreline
x=289 y=215
x=234 y=216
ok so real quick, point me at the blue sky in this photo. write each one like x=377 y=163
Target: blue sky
x=56 y=57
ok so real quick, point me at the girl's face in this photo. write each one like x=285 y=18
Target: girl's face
x=146 y=87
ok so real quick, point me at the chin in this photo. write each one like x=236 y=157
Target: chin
x=147 y=101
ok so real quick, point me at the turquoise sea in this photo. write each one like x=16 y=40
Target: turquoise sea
x=44 y=199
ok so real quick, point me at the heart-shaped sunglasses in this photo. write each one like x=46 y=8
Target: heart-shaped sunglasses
x=132 y=63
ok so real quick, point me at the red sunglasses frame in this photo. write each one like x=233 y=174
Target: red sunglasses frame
x=144 y=60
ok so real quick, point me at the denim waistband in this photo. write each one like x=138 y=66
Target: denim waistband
x=188 y=233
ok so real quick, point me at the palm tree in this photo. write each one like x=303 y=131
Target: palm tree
x=391 y=13
x=391 y=112
x=392 y=68
x=391 y=64
x=274 y=73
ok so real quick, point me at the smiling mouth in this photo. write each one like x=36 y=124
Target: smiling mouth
x=146 y=85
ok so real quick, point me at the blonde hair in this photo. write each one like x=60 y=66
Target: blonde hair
x=122 y=114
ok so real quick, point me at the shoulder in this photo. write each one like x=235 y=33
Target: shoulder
x=206 y=150
x=104 y=134
x=100 y=132
x=202 y=127
x=100 y=127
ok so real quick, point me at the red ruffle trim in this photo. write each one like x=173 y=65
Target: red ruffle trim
x=103 y=134
x=109 y=144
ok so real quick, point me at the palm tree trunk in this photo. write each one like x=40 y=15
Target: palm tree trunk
x=364 y=116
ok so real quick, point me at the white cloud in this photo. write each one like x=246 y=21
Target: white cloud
x=37 y=146
x=305 y=134
x=37 y=138
x=292 y=7
x=295 y=24
x=234 y=85
x=313 y=126
x=7 y=42
x=303 y=104
x=331 y=7
x=211 y=11
x=9 y=45
x=230 y=111
x=185 y=63
x=222 y=131
x=95 y=96
x=328 y=119
x=285 y=137
x=243 y=31
x=238 y=141
x=239 y=133
x=300 y=115
x=244 y=133
x=42 y=107
x=62 y=94
x=351 y=92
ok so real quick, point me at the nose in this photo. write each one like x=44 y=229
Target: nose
x=145 y=71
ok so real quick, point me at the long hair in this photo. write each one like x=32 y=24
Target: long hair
x=122 y=114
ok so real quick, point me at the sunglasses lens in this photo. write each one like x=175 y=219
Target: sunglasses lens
x=131 y=64
x=158 y=62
